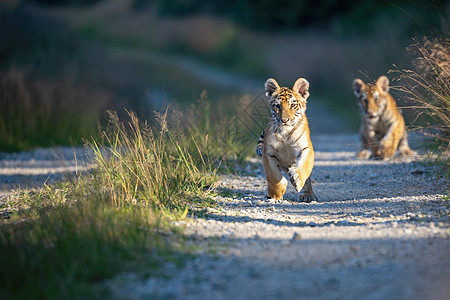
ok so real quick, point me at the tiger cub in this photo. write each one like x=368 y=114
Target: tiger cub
x=285 y=144
x=383 y=127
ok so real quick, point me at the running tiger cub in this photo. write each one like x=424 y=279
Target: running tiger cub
x=285 y=144
x=383 y=127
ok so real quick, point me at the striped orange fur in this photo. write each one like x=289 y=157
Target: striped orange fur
x=382 y=130
x=285 y=144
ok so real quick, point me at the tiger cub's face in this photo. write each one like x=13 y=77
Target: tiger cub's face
x=372 y=97
x=287 y=105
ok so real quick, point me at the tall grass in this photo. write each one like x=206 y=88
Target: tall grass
x=151 y=167
x=428 y=88
x=64 y=241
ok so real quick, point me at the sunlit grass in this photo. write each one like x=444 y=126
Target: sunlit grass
x=151 y=168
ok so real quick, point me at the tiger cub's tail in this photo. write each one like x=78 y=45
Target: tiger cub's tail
x=259 y=146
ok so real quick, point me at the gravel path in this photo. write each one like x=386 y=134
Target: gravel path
x=379 y=231
x=32 y=169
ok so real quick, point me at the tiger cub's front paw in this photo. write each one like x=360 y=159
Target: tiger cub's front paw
x=363 y=154
x=387 y=149
x=376 y=155
x=307 y=197
x=295 y=179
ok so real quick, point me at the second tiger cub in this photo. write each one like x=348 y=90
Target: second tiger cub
x=382 y=130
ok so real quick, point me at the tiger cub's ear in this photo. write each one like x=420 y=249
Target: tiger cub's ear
x=358 y=87
x=271 y=86
x=301 y=86
x=383 y=84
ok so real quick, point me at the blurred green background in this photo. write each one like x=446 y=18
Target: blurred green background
x=63 y=63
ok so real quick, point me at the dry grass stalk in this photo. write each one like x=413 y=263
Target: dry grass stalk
x=429 y=86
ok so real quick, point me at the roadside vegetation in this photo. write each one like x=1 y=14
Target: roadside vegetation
x=65 y=240
x=427 y=87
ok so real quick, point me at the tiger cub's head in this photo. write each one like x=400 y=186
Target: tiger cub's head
x=372 y=97
x=287 y=105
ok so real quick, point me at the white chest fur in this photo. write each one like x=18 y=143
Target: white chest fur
x=286 y=144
